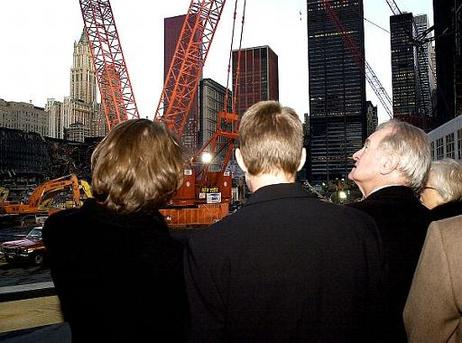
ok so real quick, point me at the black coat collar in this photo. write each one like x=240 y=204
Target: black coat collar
x=105 y=215
x=393 y=192
x=279 y=191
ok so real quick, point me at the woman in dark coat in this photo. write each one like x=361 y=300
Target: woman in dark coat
x=442 y=193
x=117 y=272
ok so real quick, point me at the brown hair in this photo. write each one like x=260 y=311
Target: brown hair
x=138 y=166
x=271 y=138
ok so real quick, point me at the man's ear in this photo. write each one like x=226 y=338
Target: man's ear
x=240 y=160
x=302 y=159
x=388 y=164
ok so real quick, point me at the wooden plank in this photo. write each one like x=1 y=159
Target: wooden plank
x=28 y=313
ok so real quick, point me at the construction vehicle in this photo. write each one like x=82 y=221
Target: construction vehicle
x=204 y=196
x=4 y=192
x=42 y=198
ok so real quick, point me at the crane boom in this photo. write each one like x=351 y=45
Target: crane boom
x=186 y=66
x=371 y=77
x=114 y=83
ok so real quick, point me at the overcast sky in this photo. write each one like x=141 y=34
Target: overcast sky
x=37 y=40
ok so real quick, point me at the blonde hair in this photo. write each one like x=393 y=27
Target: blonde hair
x=270 y=138
x=411 y=146
x=446 y=178
x=138 y=166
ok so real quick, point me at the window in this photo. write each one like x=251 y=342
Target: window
x=439 y=149
x=450 y=145
x=459 y=144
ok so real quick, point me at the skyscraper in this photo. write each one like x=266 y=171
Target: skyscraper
x=410 y=70
x=424 y=67
x=80 y=109
x=403 y=66
x=211 y=101
x=448 y=46
x=337 y=90
x=258 y=76
x=172 y=30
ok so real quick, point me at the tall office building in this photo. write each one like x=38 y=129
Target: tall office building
x=55 y=118
x=172 y=30
x=423 y=67
x=403 y=67
x=448 y=44
x=81 y=107
x=258 y=76
x=337 y=90
x=211 y=101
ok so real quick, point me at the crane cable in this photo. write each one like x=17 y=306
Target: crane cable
x=225 y=104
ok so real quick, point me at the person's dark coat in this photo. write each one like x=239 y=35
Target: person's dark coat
x=119 y=278
x=286 y=267
x=447 y=210
x=402 y=221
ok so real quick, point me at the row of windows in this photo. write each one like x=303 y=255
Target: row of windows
x=446 y=146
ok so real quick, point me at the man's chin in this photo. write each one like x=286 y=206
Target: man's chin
x=351 y=174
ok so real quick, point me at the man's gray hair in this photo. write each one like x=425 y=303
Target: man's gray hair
x=411 y=147
x=446 y=178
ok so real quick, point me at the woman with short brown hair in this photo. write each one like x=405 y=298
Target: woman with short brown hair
x=117 y=272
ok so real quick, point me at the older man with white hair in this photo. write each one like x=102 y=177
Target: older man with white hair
x=390 y=170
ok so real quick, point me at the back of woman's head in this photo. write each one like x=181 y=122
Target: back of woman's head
x=446 y=177
x=138 y=166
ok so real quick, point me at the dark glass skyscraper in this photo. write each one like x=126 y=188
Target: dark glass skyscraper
x=403 y=66
x=448 y=45
x=337 y=89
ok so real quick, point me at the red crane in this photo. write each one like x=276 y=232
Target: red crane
x=371 y=77
x=187 y=62
x=114 y=83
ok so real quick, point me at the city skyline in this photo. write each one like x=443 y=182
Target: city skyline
x=39 y=46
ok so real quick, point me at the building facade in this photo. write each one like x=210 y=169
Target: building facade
x=23 y=116
x=172 y=30
x=81 y=106
x=337 y=90
x=55 y=118
x=446 y=140
x=258 y=76
x=371 y=117
x=424 y=100
x=211 y=101
x=403 y=67
x=448 y=45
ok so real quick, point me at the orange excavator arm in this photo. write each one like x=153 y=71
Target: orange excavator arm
x=43 y=191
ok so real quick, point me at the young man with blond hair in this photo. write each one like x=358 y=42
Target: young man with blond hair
x=286 y=267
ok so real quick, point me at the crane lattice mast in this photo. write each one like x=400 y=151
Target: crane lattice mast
x=187 y=62
x=114 y=83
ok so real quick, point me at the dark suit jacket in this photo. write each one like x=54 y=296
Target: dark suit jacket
x=119 y=278
x=285 y=268
x=402 y=221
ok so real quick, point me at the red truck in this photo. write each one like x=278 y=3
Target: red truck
x=30 y=249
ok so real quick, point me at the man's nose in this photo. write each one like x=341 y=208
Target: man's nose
x=357 y=154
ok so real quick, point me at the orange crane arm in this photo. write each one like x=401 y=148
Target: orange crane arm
x=114 y=83
x=188 y=60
